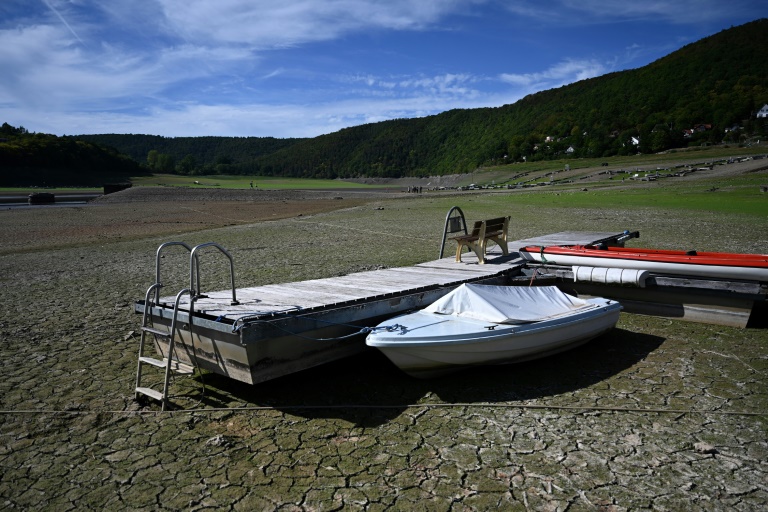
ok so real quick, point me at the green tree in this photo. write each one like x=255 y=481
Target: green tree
x=187 y=165
x=165 y=163
x=659 y=140
x=152 y=158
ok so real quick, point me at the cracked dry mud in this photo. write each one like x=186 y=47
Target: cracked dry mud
x=656 y=415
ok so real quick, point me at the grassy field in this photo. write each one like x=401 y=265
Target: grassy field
x=670 y=158
x=736 y=195
x=244 y=182
x=218 y=181
x=533 y=172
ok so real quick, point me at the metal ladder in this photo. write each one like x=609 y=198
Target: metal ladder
x=170 y=361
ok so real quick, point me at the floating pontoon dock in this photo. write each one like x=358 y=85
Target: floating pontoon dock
x=260 y=333
x=716 y=301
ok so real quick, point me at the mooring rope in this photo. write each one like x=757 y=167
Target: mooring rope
x=297 y=407
x=361 y=330
x=544 y=258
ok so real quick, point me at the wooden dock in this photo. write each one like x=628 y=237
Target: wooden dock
x=278 y=329
x=333 y=292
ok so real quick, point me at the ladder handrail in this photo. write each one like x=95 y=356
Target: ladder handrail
x=144 y=323
x=157 y=265
x=194 y=293
x=448 y=219
x=171 y=341
x=194 y=269
x=148 y=300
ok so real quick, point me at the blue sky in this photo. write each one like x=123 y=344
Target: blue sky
x=301 y=68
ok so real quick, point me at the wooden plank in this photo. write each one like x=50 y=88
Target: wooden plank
x=306 y=298
x=320 y=292
x=441 y=277
x=389 y=279
x=269 y=300
x=564 y=238
x=495 y=261
x=375 y=284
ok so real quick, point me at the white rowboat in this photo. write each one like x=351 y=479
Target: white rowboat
x=482 y=325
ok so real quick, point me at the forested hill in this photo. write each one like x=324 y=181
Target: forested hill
x=221 y=155
x=42 y=160
x=709 y=87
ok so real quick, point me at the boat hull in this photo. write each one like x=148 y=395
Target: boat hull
x=750 y=267
x=426 y=345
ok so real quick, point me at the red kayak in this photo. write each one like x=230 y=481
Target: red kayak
x=725 y=265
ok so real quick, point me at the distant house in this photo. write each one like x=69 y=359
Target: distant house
x=696 y=129
x=763 y=112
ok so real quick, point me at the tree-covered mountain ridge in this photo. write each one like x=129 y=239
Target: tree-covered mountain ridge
x=706 y=92
x=43 y=160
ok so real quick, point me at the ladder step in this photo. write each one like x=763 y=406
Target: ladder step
x=156 y=332
x=176 y=366
x=157 y=395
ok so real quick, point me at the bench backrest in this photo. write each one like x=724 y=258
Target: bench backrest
x=482 y=227
x=498 y=224
x=476 y=228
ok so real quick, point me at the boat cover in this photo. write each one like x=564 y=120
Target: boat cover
x=506 y=304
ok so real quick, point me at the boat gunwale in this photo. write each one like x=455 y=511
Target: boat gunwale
x=593 y=311
x=704 y=259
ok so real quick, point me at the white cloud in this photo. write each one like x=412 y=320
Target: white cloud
x=269 y=23
x=66 y=76
x=669 y=11
x=199 y=67
x=562 y=73
x=253 y=119
x=581 y=12
x=456 y=86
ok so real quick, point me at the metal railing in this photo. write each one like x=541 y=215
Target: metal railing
x=454 y=223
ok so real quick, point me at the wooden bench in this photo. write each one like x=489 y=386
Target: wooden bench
x=482 y=231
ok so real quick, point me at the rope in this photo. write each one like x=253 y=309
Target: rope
x=253 y=316
x=680 y=412
x=544 y=258
x=361 y=330
x=533 y=276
